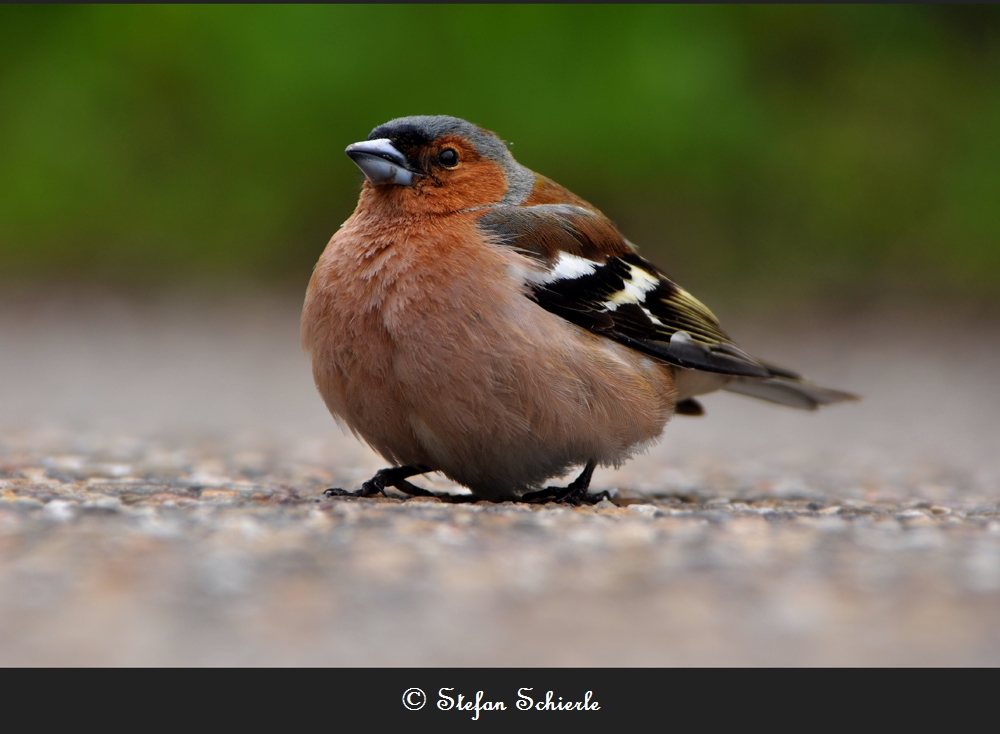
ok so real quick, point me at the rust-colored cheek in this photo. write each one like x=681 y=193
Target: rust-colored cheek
x=474 y=184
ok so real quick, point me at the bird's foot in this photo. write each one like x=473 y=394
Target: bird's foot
x=368 y=489
x=566 y=496
x=392 y=477
x=575 y=494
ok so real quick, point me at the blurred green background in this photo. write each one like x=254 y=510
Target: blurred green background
x=832 y=154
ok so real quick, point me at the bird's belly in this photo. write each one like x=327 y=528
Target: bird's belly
x=501 y=408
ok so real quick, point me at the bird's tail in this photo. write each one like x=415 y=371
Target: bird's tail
x=787 y=388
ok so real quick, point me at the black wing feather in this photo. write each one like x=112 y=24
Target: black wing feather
x=656 y=324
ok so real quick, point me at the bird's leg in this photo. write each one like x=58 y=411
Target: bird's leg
x=574 y=494
x=394 y=476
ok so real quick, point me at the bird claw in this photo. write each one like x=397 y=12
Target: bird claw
x=368 y=489
x=391 y=477
x=593 y=499
x=575 y=496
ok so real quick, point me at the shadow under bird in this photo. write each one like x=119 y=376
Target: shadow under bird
x=476 y=318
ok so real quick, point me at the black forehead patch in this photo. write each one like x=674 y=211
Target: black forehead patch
x=408 y=133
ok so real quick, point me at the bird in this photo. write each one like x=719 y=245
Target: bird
x=475 y=318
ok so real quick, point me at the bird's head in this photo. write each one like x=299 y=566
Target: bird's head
x=438 y=164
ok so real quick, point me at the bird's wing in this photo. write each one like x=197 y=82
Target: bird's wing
x=587 y=273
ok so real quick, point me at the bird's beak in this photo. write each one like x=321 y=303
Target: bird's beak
x=381 y=162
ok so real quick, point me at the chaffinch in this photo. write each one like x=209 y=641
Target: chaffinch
x=476 y=318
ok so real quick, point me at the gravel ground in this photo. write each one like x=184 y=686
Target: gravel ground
x=161 y=475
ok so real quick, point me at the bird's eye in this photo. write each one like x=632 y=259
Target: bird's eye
x=448 y=158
